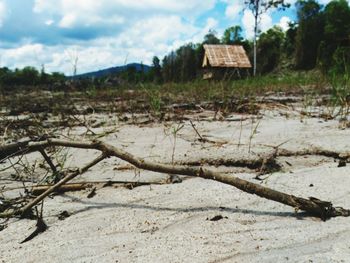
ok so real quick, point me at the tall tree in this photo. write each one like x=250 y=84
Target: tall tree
x=289 y=43
x=270 y=49
x=259 y=7
x=169 y=69
x=336 y=35
x=186 y=61
x=211 y=38
x=232 y=35
x=309 y=33
x=157 y=70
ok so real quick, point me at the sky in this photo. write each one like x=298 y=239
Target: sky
x=106 y=33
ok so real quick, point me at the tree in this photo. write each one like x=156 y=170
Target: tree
x=289 y=43
x=157 y=74
x=232 y=35
x=210 y=38
x=199 y=55
x=57 y=77
x=168 y=71
x=258 y=7
x=186 y=62
x=182 y=64
x=269 y=51
x=335 y=47
x=309 y=33
x=28 y=76
x=43 y=75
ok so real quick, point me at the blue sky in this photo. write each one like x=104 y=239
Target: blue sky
x=105 y=33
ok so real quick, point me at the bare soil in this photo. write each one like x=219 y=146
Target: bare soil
x=195 y=220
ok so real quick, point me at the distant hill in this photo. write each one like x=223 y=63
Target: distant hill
x=113 y=70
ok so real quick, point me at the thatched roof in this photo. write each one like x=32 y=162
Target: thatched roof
x=226 y=56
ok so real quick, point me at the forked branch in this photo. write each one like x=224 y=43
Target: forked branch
x=314 y=206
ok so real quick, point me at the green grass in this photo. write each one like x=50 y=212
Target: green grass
x=200 y=90
x=340 y=95
x=153 y=98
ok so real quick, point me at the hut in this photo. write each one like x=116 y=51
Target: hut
x=221 y=61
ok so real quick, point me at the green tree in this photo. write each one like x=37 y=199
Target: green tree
x=290 y=38
x=169 y=69
x=186 y=63
x=199 y=54
x=28 y=76
x=259 y=7
x=56 y=77
x=44 y=77
x=157 y=69
x=270 y=49
x=232 y=35
x=309 y=33
x=335 y=44
x=211 y=38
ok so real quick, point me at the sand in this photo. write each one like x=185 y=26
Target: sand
x=171 y=222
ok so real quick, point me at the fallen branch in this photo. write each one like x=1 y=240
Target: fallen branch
x=13 y=149
x=36 y=190
x=314 y=151
x=53 y=188
x=39 y=189
x=314 y=206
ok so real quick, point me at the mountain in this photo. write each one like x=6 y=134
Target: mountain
x=114 y=70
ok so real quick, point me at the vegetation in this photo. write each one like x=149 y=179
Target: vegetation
x=28 y=76
x=259 y=7
x=319 y=39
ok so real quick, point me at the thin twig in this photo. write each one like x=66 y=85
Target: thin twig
x=48 y=160
x=194 y=127
x=55 y=187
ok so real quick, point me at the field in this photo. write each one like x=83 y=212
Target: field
x=289 y=134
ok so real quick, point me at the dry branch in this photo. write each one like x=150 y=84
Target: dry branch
x=39 y=189
x=36 y=190
x=13 y=149
x=314 y=206
x=48 y=160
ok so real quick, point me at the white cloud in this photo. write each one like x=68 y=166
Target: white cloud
x=44 y=6
x=68 y=20
x=155 y=30
x=121 y=30
x=85 y=10
x=57 y=58
x=284 y=23
x=233 y=9
x=211 y=23
x=143 y=29
x=49 y=22
x=140 y=42
x=266 y=22
x=154 y=36
x=28 y=54
x=248 y=23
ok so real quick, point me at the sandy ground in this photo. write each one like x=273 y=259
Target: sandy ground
x=171 y=222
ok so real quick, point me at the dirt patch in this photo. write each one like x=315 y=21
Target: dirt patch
x=154 y=223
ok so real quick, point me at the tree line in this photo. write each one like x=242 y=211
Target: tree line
x=28 y=76
x=319 y=38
